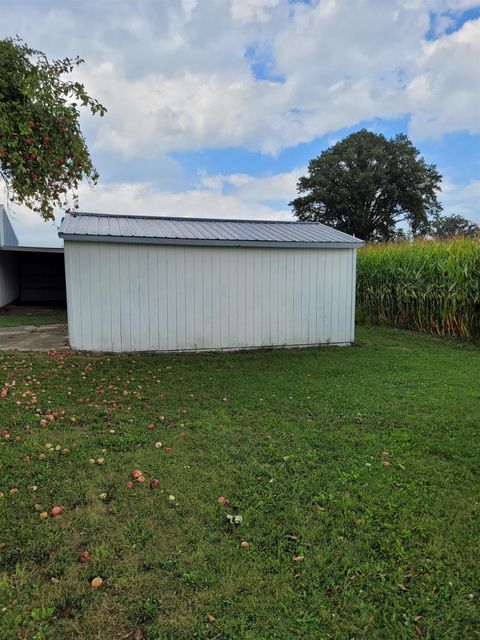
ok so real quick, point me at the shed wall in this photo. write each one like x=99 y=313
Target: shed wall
x=129 y=297
x=9 y=280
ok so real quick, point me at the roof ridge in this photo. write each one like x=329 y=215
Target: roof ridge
x=188 y=219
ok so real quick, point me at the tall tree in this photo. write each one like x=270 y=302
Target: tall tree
x=43 y=154
x=454 y=226
x=366 y=185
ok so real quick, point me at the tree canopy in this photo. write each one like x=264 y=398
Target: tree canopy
x=366 y=184
x=454 y=226
x=43 y=154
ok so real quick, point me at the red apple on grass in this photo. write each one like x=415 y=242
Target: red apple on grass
x=84 y=556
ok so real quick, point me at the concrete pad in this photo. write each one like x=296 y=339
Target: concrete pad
x=45 y=338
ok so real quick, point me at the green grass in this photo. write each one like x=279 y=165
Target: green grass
x=18 y=318
x=294 y=440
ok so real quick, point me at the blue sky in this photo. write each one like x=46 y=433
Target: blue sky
x=215 y=107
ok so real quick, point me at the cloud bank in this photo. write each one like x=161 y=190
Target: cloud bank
x=258 y=75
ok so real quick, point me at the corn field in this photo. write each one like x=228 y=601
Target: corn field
x=433 y=287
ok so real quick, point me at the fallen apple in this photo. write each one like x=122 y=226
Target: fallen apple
x=130 y=484
x=56 y=511
x=154 y=484
x=136 y=474
x=84 y=556
x=97 y=582
x=141 y=479
x=158 y=445
x=43 y=515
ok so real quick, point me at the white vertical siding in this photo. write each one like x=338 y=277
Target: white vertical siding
x=129 y=297
x=9 y=277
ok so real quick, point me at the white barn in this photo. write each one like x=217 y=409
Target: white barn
x=170 y=284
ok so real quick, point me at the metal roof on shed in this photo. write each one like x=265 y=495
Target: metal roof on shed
x=201 y=231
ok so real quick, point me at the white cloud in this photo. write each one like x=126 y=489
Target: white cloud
x=248 y=188
x=444 y=95
x=444 y=6
x=462 y=200
x=176 y=76
x=206 y=203
x=251 y=10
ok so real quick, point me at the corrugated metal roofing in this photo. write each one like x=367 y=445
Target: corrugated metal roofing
x=202 y=231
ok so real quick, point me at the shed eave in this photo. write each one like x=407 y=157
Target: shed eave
x=211 y=243
x=22 y=249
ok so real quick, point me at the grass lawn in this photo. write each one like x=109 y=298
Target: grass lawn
x=341 y=545
x=15 y=316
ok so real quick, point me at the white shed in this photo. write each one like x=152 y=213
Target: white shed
x=169 y=284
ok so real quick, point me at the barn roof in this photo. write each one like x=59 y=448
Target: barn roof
x=201 y=231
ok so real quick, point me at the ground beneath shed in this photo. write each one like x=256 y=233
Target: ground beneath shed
x=30 y=338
